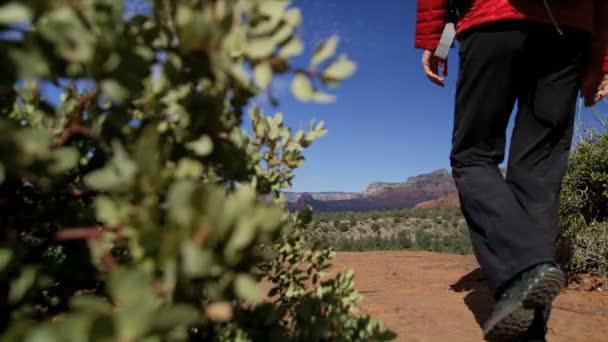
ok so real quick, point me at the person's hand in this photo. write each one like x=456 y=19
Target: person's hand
x=431 y=65
x=594 y=89
x=602 y=89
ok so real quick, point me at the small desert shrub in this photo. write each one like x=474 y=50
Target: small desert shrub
x=583 y=236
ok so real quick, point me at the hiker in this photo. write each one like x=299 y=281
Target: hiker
x=538 y=54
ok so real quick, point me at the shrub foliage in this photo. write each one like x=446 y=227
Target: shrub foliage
x=130 y=203
x=583 y=238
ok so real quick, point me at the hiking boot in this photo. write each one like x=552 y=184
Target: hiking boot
x=514 y=311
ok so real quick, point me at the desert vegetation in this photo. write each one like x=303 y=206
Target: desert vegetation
x=437 y=229
x=130 y=188
x=583 y=238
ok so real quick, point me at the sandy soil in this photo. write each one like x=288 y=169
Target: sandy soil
x=436 y=297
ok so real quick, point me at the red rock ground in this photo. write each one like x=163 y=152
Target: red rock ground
x=437 y=297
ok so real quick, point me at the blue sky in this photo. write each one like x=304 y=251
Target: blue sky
x=389 y=122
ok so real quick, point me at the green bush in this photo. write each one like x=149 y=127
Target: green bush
x=454 y=244
x=140 y=208
x=583 y=238
x=344 y=227
x=375 y=227
x=424 y=239
x=404 y=240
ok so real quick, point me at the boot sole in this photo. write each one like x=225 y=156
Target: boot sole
x=548 y=287
x=517 y=320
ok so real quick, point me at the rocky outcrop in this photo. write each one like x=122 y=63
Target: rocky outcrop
x=323 y=196
x=432 y=189
x=447 y=201
x=380 y=187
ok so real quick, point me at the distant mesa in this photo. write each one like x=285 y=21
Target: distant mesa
x=447 y=201
x=435 y=189
x=322 y=196
x=379 y=187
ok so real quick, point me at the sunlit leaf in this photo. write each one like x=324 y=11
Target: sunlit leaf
x=293 y=48
x=260 y=48
x=13 y=13
x=302 y=88
x=202 y=147
x=246 y=288
x=341 y=69
x=5 y=257
x=325 y=50
x=263 y=75
x=22 y=284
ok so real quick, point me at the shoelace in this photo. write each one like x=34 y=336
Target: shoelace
x=550 y=13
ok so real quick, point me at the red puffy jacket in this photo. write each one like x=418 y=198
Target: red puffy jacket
x=588 y=15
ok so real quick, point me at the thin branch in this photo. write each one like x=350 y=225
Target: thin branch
x=81 y=233
x=75 y=126
x=201 y=235
x=108 y=262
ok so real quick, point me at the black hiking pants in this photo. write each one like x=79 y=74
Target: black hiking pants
x=513 y=219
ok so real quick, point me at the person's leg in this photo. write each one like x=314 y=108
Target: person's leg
x=490 y=80
x=543 y=133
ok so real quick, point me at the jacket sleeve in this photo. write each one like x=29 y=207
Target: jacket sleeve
x=431 y=17
x=603 y=23
x=599 y=53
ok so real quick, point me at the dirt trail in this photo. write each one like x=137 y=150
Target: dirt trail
x=436 y=297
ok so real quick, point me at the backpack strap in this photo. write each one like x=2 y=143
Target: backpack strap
x=449 y=32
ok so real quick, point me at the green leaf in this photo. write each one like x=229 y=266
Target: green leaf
x=64 y=159
x=75 y=327
x=70 y=37
x=14 y=13
x=263 y=75
x=147 y=152
x=43 y=333
x=273 y=8
x=5 y=257
x=323 y=98
x=195 y=262
x=169 y=317
x=246 y=288
x=179 y=202
x=188 y=168
x=325 y=50
x=131 y=287
x=116 y=175
x=293 y=48
x=301 y=87
x=293 y=17
x=284 y=33
x=202 y=147
x=35 y=143
x=242 y=236
x=91 y=304
x=21 y=285
x=341 y=69
x=102 y=179
x=260 y=48
x=30 y=63
x=114 y=91
x=107 y=210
